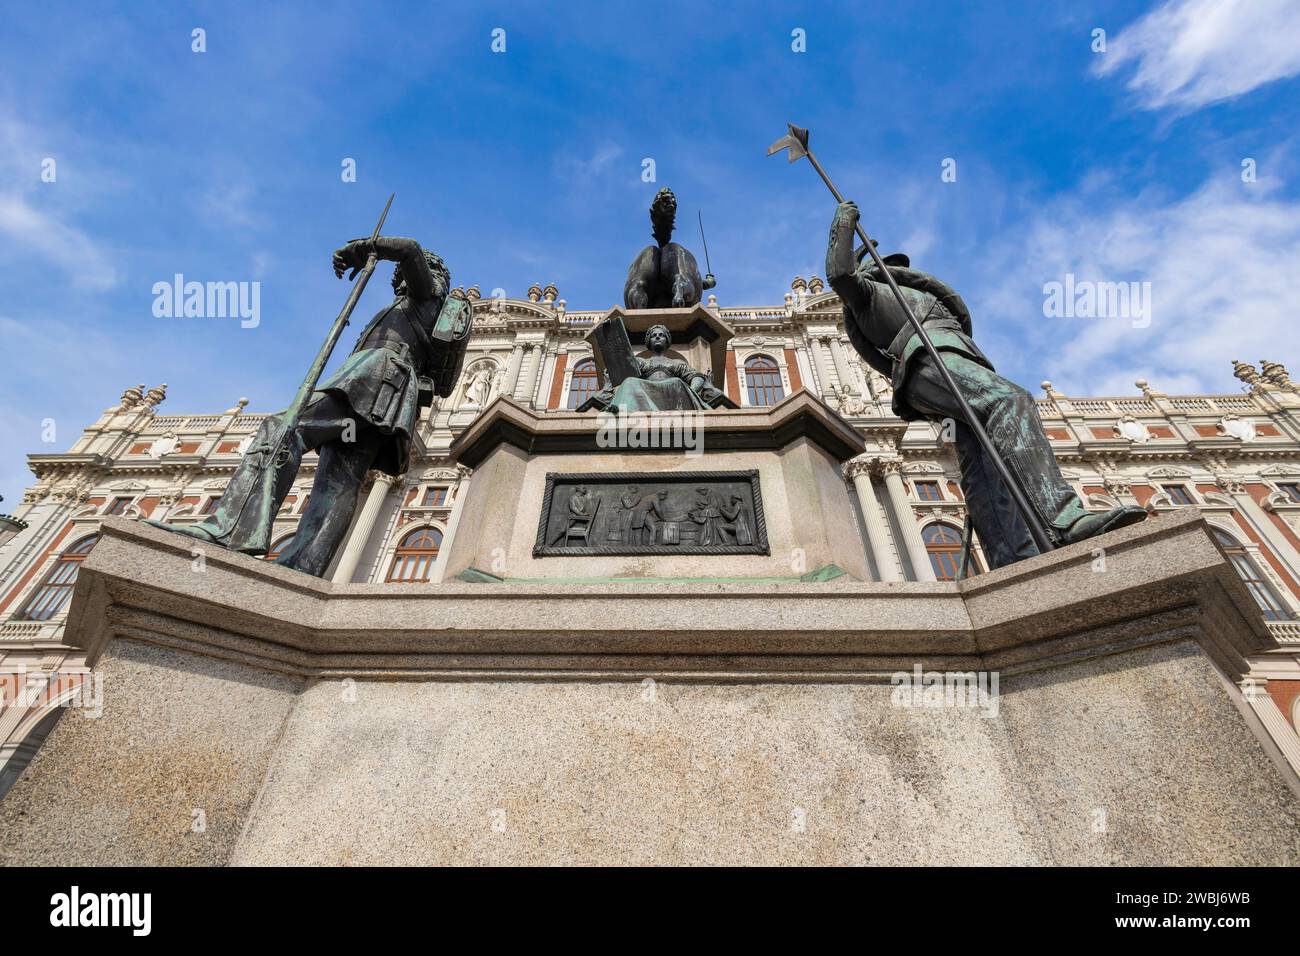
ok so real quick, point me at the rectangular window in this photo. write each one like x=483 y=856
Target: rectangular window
x=1178 y=494
x=434 y=498
x=928 y=491
x=118 y=506
x=1292 y=490
x=210 y=505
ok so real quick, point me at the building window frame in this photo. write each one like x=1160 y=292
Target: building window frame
x=928 y=483
x=1248 y=564
x=412 y=564
x=51 y=597
x=945 y=552
x=583 y=382
x=771 y=382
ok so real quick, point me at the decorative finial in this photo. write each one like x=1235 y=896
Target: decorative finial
x=131 y=397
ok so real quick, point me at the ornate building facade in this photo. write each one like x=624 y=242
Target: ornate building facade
x=1235 y=458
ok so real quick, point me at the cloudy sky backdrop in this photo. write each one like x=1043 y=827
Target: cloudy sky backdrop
x=525 y=166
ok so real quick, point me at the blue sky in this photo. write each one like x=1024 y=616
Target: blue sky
x=525 y=166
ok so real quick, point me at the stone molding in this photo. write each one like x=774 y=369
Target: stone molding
x=1165 y=581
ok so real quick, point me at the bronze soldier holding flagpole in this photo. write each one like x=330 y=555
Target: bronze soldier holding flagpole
x=921 y=339
x=362 y=417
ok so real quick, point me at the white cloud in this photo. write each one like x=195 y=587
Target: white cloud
x=1224 y=268
x=36 y=222
x=581 y=171
x=74 y=252
x=1189 y=53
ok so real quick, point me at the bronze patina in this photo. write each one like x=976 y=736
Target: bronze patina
x=362 y=417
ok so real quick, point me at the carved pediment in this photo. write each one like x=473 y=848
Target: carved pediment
x=1169 y=471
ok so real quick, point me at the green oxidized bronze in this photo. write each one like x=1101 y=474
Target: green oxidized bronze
x=361 y=418
x=654 y=384
x=884 y=336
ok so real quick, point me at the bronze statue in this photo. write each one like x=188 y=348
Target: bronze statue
x=657 y=383
x=664 y=275
x=881 y=332
x=362 y=417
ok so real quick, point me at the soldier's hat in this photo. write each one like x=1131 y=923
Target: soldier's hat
x=893 y=259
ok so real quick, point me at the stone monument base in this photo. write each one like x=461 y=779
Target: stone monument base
x=791 y=454
x=253 y=715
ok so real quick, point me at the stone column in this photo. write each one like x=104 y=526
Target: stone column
x=874 y=522
x=841 y=364
x=907 y=526
x=532 y=365
x=819 y=363
x=512 y=370
x=361 y=530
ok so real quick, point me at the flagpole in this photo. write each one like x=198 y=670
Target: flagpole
x=797 y=142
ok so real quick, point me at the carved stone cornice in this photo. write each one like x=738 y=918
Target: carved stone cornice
x=1231 y=484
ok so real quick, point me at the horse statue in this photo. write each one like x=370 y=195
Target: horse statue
x=664 y=275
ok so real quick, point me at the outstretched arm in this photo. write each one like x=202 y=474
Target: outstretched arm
x=840 y=265
x=405 y=252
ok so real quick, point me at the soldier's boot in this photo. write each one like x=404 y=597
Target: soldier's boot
x=1091 y=525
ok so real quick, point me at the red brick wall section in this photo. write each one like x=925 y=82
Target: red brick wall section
x=1143 y=494
x=1259 y=493
x=1267 y=552
x=1284 y=694
x=792 y=363
x=557 y=380
x=733 y=379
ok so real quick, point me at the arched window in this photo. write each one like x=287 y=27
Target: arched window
x=1245 y=567
x=415 y=555
x=763 y=378
x=276 y=547
x=943 y=544
x=53 y=594
x=584 y=384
